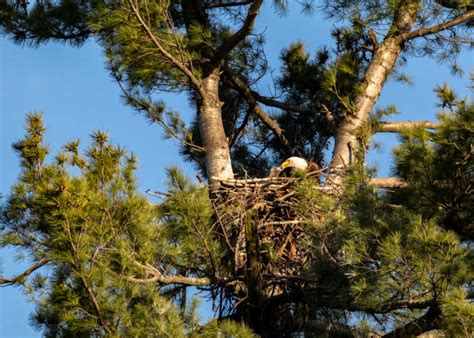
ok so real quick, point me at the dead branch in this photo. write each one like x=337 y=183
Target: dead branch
x=219 y=4
x=282 y=105
x=398 y=127
x=157 y=276
x=387 y=182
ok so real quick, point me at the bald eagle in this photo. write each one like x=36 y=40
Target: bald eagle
x=293 y=166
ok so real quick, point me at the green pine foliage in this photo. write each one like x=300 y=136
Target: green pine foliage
x=392 y=255
x=226 y=328
x=82 y=215
x=188 y=225
x=458 y=313
x=388 y=256
x=37 y=22
x=104 y=258
x=439 y=166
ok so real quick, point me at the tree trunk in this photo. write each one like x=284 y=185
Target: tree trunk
x=253 y=275
x=218 y=162
x=347 y=140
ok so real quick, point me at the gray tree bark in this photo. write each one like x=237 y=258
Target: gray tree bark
x=347 y=140
x=218 y=161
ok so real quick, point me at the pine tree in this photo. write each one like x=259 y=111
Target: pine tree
x=399 y=261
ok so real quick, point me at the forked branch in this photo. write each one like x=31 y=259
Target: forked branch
x=245 y=91
x=240 y=35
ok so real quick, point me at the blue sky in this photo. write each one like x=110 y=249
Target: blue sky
x=77 y=96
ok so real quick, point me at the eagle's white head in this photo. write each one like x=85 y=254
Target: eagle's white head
x=295 y=162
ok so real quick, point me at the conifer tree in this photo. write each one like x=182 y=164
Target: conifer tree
x=398 y=262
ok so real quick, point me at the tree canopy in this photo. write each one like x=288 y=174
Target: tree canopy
x=375 y=255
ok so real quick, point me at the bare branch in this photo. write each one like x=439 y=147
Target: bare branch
x=392 y=306
x=157 y=276
x=194 y=80
x=397 y=127
x=387 y=182
x=292 y=107
x=373 y=38
x=227 y=4
x=21 y=276
x=278 y=104
x=437 y=28
x=175 y=279
x=240 y=35
x=242 y=87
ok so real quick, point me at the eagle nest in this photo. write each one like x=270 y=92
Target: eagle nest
x=264 y=212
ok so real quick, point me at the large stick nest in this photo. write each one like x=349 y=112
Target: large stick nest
x=269 y=206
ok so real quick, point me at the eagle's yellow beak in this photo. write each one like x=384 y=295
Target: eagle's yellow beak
x=285 y=164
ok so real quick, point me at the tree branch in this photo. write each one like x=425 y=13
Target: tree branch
x=437 y=28
x=401 y=304
x=292 y=107
x=242 y=87
x=240 y=35
x=227 y=4
x=21 y=276
x=142 y=106
x=349 y=305
x=157 y=276
x=428 y=321
x=278 y=104
x=175 y=279
x=387 y=182
x=194 y=80
x=397 y=127
x=96 y=306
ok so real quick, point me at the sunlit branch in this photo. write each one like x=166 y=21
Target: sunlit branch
x=437 y=28
x=158 y=277
x=397 y=127
x=387 y=182
x=19 y=278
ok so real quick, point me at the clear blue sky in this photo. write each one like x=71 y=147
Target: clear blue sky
x=76 y=94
